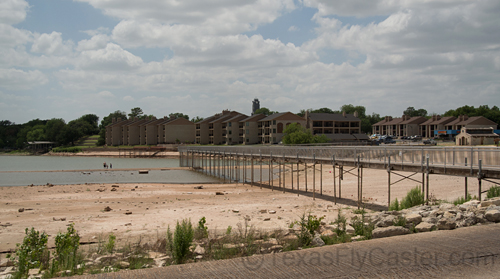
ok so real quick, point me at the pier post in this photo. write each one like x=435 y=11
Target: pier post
x=314 y=176
x=298 y=171
x=251 y=159
x=334 y=181
x=321 y=178
x=427 y=181
x=260 y=169
x=305 y=173
x=466 y=186
x=284 y=175
x=291 y=174
x=279 y=173
x=479 y=177
x=359 y=197
x=271 y=171
x=224 y=166
x=389 y=182
x=341 y=176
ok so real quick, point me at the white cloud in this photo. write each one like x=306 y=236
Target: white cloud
x=105 y=94
x=51 y=44
x=13 y=11
x=293 y=28
x=14 y=79
x=128 y=98
x=96 y=42
x=111 y=58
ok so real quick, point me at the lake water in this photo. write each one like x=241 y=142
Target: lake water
x=16 y=167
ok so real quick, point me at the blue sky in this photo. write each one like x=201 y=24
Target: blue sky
x=64 y=58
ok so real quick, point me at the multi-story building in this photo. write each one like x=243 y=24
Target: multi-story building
x=212 y=130
x=272 y=126
x=251 y=129
x=234 y=133
x=435 y=123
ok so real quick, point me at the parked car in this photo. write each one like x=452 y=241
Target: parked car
x=430 y=142
x=389 y=140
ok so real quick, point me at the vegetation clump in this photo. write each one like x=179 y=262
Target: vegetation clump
x=494 y=191
x=413 y=198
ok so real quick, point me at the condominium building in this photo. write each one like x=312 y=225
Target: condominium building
x=213 y=129
x=272 y=126
x=234 y=129
x=251 y=129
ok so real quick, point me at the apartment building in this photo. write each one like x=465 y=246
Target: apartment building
x=272 y=126
x=250 y=128
x=213 y=129
x=234 y=129
x=435 y=123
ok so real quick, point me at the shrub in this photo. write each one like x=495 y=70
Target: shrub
x=183 y=237
x=67 y=149
x=400 y=221
x=110 y=245
x=360 y=228
x=228 y=230
x=341 y=224
x=201 y=230
x=32 y=253
x=66 y=249
x=494 y=191
x=413 y=197
x=462 y=200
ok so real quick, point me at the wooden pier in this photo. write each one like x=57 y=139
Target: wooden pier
x=238 y=164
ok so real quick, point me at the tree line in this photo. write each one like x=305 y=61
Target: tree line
x=16 y=136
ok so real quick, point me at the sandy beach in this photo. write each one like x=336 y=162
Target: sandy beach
x=152 y=208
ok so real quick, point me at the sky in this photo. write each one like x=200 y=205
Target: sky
x=67 y=58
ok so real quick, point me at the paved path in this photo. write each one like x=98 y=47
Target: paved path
x=472 y=252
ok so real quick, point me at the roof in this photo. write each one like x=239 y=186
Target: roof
x=222 y=118
x=333 y=117
x=395 y=121
x=236 y=118
x=415 y=120
x=282 y=114
x=443 y=120
x=255 y=117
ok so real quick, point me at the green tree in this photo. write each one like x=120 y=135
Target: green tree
x=135 y=112
x=93 y=120
x=265 y=111
x=53 y=128
x=412 y=112
x=351 y=109
x=37 y=133
x=105 y=122
x=296 y=134
x=197 y=119
x=179 y=115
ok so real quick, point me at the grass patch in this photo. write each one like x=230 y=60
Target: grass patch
x=494 y=191
x=413 y=198
x=462 y=200
x=74 y=149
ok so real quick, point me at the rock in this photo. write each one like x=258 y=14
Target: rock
x=199 y=250
x=317 y=241
x=349 y=229
x=236 y=211
x=123 y=264
x=219 y=194
x=328 y=233
x=267 y=219
x=105 y=259
x=115 y=186
x=262 y=211
x=107 y=209
x=132 y=189
x=290 y=237
x=447 y=207
x=276 y=248
x=489 y=202
x=446 y=224
x=6 y=263
x=199 y=257
x=432 y=220
x=425 y=227
x=357 y=238
x=413 y=218
x=128 y=224
x=34 y=271
x=389 y=231
x=198 y=187
x=20 y=210
x=272 y=212
x=386 y=222
x=113 y=189
x=128 y=212
x=492 y=215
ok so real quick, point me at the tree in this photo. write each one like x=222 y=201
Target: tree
x=53 y=128
x=37 y=133
x=93 y=120
x=296 y=134
x=492 y=114
x=178 y=115
x=69 y=134
x=265 y=111
x=135 y=112
x=197 y=119
x=350 y=109
x=412 y=112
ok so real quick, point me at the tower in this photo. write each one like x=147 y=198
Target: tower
x=255 y=105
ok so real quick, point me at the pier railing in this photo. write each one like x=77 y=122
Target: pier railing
x=438 y=156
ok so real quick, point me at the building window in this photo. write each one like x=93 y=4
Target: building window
x=274 y=122
x=280 y=128
x=247 y=123
x=248 y=140
x=229 y=124
x=230 y=132
x=274 y=131
x=247 y=131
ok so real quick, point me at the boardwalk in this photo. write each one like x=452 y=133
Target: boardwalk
x=471 y=252
x=237 y=163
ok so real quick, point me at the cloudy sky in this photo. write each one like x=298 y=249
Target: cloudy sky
x=66 y=58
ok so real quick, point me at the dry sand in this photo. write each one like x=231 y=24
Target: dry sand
x=156 y=206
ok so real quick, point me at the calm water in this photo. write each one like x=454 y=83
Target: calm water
x=51 y=163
